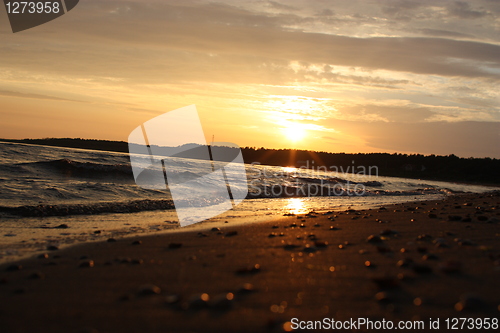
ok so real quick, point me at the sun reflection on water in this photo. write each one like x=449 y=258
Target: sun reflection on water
x=296 y=206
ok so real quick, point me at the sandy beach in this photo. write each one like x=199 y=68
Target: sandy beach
x=413 y=262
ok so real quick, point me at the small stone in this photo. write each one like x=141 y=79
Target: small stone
x=125 y=260
x=62 y=226
x=52 y=248
x=382 y=297
x=87 y=263
x=310 y=249
x=388 y=232
x=14 y=267
x=369 y=264
x=36 y=275
x=334 y=228
x=424 y=237
x=97 y=232
x=249 y=270
x=418 y=301
x=374 y=239
x=222 y=301
x=231 y=233
x=321 y=243
x=111 y=240
x=137 y=242
x=172 y=299
x=137 y=261
x=470 y=302
x=290 y=246
x=246 y=288
x=272 y=234
x=43 y=256
x=149 y=289
x=405 y=262
x=174 y=245
x=197 y=301
x=430 y=256
x=215 y=229
x=125 y=297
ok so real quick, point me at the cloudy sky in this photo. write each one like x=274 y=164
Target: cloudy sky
x=341 y=76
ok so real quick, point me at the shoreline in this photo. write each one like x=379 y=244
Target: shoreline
x=259 y=276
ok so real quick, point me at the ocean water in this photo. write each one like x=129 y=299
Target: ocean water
x=62 y=196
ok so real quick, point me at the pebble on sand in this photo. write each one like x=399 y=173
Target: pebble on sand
x=290 y=246
x=172 y=299
x=249 y=270
x=222 y=301
x=197 y=301
x=321 y=243
x=470 y=302
x=382 y=297
x=310 y=249
x=52 y=248
x=174 y=245
x=370 y=264
x=374 y=239
x=246 y=288
x=37 y=275
x=87 y=263
x=149 y=289
x=13 y=268
x=430 y=256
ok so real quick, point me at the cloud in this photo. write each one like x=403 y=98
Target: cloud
x=444 y=33
x=178 y=42
x=464 y=10
x=387 y=113
x=35 y=96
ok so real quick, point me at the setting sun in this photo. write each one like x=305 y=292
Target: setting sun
x=294 y=131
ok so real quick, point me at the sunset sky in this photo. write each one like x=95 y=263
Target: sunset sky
x=339 y=76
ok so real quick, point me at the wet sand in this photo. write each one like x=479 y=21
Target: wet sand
x=415 y=261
